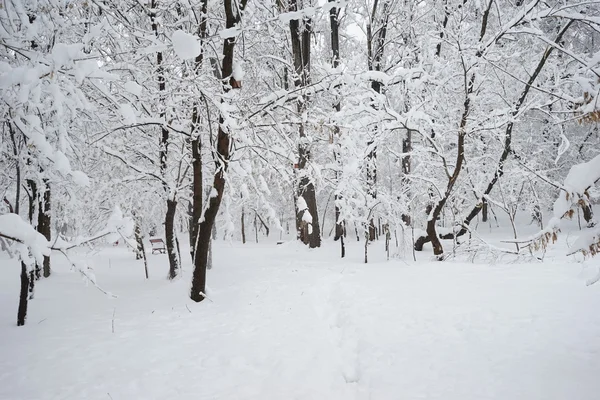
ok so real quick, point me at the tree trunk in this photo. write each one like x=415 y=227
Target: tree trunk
x=27 y=281
x=255 y=227
x=335 y=48
x=23 y=297
x=44 y=223
x=375 y=51
x=163 y=154
x=588 y=214
x=264 y=225
x=507 y=144
x=140 y=250
x=33 y=204
x=164 y=137
x=198 y=289
x=197 y=189
x=460 y=152
x=406 y=167
x=300 y=38
x=460 y=157
x=209 y=262
x=171 y=239
x=243 y=228
x=484 y=210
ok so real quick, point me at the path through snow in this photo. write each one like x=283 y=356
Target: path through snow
x=284 y=324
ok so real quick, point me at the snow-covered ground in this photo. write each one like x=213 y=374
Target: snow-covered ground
x=285 y=322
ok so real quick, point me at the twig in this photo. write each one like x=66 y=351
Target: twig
x=113 y=320
x=85 y=275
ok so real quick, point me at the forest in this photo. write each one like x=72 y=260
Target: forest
x=251 y=140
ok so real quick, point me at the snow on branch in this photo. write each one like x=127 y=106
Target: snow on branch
x=31 y=246
x=574 y=194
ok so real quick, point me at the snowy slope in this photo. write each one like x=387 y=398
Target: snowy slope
x=289 y=323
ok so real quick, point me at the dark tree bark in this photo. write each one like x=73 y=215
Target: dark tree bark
x=164 y=137
x=26 y=278
x=243 y=228
x=406 y=167
x=438 y=48
x=484 y=210
x=255 y=227
x=197 y=189
x=233 y=16
x=588 y=214
x=170 y=234
x=23 y=297
x=335 y=48
x=36 y=273
x=300 y=38
x=44 y=222
x=140 y=253
x=375 y=51
x=263 y=224
x=17 y=170
x=171 y=239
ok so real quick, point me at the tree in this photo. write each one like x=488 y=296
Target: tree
x=233 y=17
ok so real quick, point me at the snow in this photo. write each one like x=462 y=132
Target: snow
x=64 y=54
x=13 y=226
x=119 y=225
x=302 y=207
x=377 y=76
x=284 y=319
x=128 y=114
x=185 y=45
x=133 y=88
x=580 y=177
x=307 y=12
x=80 y=178
x=586 y=238
x=238 y=71
x=230 y=32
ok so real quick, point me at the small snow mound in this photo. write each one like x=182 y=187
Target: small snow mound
x=185 y=45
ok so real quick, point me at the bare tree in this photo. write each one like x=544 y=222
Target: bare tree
x=233 y=17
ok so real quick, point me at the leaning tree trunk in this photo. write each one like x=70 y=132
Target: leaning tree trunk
x=233 y=16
